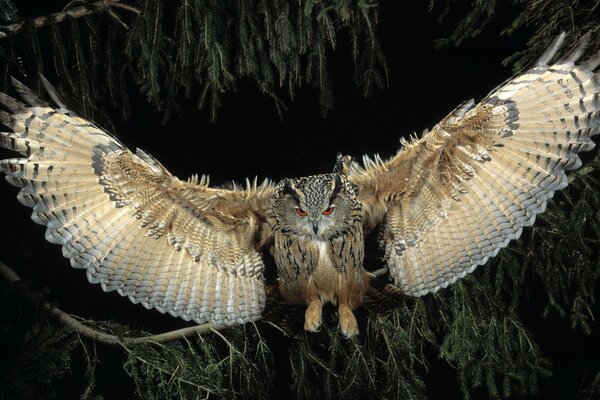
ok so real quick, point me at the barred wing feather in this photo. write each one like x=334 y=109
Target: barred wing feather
x=179 y=247
x=451 y=200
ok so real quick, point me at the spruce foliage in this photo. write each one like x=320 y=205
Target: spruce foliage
x=198 y=50
x=543 y=18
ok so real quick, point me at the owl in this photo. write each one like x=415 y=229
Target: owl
x=443 y=205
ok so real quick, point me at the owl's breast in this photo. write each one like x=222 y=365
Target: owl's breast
x=324 y=275
x=306 y=266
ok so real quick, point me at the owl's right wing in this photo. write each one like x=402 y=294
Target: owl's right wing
x=179 y=247
x=452 y=199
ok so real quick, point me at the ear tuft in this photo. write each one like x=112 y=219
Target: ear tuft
x=337 y=186
x=342 y=164
x=287 y=187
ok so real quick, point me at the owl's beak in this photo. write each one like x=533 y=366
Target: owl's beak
x=315 y=225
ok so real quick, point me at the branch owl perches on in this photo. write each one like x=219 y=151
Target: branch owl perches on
x=442 y=205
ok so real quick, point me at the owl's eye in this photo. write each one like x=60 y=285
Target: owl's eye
x=300 y=212
x=329 y=211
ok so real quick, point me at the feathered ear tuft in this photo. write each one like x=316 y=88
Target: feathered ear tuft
x=342 y=164
x=287 y=187
x=337 y=186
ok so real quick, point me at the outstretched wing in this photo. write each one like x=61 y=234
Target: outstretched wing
x=449 y=201
x=180 y=247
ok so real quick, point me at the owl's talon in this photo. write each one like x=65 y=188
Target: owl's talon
x=312 y=317
x=312 y=326
x=348 y=324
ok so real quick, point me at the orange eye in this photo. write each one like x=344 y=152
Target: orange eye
x=329 y=211
x=300 y=212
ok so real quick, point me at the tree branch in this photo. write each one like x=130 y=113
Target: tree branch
x=107 y=338
x=75 y=12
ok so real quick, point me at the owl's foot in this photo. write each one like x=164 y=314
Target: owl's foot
x=348 y=323
x=312 y=317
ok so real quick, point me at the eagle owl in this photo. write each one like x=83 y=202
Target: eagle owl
x=442 y=205
x=319 y=244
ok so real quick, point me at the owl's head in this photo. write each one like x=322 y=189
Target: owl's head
x=319 y=206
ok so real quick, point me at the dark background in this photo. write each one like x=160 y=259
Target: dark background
x=249 y=139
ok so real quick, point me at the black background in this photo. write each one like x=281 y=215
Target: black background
x=249 y=139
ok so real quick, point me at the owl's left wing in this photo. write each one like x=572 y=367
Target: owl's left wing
x=449 y=201
x=179 y=247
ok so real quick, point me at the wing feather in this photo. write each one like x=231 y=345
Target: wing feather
x=178 y=247
x=448 y=202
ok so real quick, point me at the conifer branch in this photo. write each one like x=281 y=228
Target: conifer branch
x=107 y=338
x=72 y=13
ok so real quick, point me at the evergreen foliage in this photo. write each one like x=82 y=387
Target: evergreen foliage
x=544 y=18
x=35 y=351
x=474 y=329
x=201 y=52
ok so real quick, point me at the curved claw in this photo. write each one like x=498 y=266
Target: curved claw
x=312 y=317
x=348 y=323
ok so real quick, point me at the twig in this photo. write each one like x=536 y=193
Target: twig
x=118 y=19
x=75 y=12
x=117 y=4
x=106 y=338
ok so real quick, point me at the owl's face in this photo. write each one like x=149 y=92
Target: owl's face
x=316 y=207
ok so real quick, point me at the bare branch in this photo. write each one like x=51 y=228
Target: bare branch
x=75 y=12
x=107 y=338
